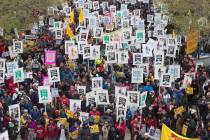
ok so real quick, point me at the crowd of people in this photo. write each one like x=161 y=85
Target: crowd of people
x=185 y=110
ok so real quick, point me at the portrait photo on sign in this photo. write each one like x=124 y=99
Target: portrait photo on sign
x=14 y=111
x=123 y=57
x=86 y=52
x=111 y=57
x=171 y=51
x=68 y=43
x=137 y=75
x=165 y=80
x=73 y=52
x=97 y=83
x=58 y=34
x=81 y=90
x=159 y=70
x=83 y=36
x=98 y=32
x=133 y=97
x=75 y=105
x=120 y=91
x=95 y=52
x=159 y=59
x=103 y=98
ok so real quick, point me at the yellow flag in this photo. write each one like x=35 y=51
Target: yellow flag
x=71 y=17
x=192 y=42
x=81 y=16
x=69 y=32
x=168 y=134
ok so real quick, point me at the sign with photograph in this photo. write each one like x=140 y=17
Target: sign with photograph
x=68 y=44
x=120 y=91
x=54 y=74
x=58 y=34
x=18 y=75
x=50 y=57
x=123 y=57
x=103 y=97
x=14 y=111
x=166 y=80
x=44 y=94
x=95 y=52
x=159 y=59
x=74 y=105
x=137 y=75
x=159 y=70
x=133 y=98
x=73 y=52
x=54 y=92
x=97 y=83
x=147 y=50
x=111 y=57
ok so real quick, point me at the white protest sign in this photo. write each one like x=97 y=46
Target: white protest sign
x=133 y=98
x=54 y=74
x=18 y=75
x=97 y=83
x=54 y=92
x=137 y=75
x=103 y=97
x=44 y=94
x=166 y=80
x=74 y=105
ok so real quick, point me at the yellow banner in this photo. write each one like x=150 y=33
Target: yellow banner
x=94 y=129
x=168 y=134
x=179 y=110
x=189 y=90
x=192 y=42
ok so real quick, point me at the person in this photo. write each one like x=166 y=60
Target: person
x=52 y=130
x=40 y=131
x=121 y=128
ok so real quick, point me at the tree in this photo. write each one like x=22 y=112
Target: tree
x=187 y=13
x=20 y=13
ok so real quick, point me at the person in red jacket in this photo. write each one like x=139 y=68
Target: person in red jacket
x=40 y=132
x=150 y=121
x=121 y=127
x=52 y=130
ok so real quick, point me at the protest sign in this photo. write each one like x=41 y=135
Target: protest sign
x=137 y=58
x=189 y=90
x=171 y=51
x=58 y=34
x=120 y=91
x=2 y=63
x=68 y=44
x=174 y=70
x=143 y=98
x=106 y=39
x=122 y=57
x=166 y=80
x=17 y=46
x=86 y=52
x=188 y=77
x=147 y=51
x=44 y=94
x=140 y=36
x=159 y=70
x=74 y=104
x=54 y=74
x=159 y=59
x=73 y=52
x=81 y=90
x=111 y=57
x=97 y=83
x=54 y=92
x=168 y=134
x=50 y=57
x=18 y=75
x=133 y=98
x=95 y=52
x=91 y=98
x=137 y=75
x=57 y=24
x=14 y=111
x=98 y=33
x=2 y=75
x=179 y=110
x=103 y=98
x=83 y=36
